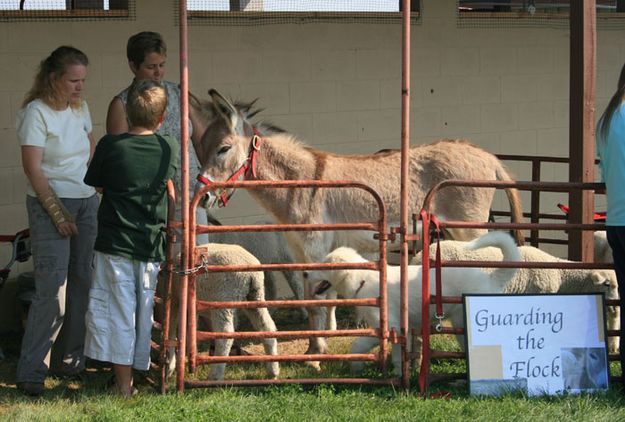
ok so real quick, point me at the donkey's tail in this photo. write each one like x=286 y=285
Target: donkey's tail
x=514 y=199
x=509 y=249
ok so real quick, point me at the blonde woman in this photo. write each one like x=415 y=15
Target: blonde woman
x=54 y=131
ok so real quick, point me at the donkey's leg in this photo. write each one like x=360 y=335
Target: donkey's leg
x=261 y=321
x=222 y=320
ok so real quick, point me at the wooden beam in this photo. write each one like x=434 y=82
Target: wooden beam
x=582 y=123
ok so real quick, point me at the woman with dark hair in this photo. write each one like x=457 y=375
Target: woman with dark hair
x=147 y=53
x=54 y=130
x=611 y=151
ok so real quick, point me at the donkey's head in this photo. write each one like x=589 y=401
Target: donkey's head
x=229 y=144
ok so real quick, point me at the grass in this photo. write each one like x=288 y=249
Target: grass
x=90 y=400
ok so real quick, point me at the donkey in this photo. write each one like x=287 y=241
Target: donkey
x=234 y=148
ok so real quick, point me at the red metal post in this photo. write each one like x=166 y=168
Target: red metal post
x=184 y=166
x=404 y=193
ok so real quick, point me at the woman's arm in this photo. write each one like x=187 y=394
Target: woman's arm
x=91 y=146
x=116 y=122
x=32 y=158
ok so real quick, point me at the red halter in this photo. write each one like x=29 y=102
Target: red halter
x=248 y=169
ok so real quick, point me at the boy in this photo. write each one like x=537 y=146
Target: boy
x=131 y=170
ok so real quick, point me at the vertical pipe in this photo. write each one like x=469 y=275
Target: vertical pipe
x=425 y=305
x=383 y=245
x=405 y=154
x=535 y=202
x=582 y=124
x=184 y=166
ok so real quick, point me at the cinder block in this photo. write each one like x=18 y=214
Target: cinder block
x=464 y=119
x=498 y=61
x=307 y=97
x=480 y=90
x=536 y=115
x=18 y=70
x=6 y=185
x=552 y=87
x=330 y=128
x=390 y=93
x=333 y=65
x=115 y=72
x=425 y=121
x=536 y=59
x=459 y=61
x=440 y=91
x=378 y=64
x=358 y=95
x=237 y=66
x=499 y=117
x=273 y=97
x=382 y=124
x=11 y=153
x=278 y=66
x=518 y=142
x=518 y=88
x=299 y=125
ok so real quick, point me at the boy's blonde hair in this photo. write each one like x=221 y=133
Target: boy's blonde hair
x=146 y=104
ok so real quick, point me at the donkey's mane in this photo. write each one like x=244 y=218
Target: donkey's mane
x=247 y=111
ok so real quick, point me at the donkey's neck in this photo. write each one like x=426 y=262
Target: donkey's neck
x=282 y=157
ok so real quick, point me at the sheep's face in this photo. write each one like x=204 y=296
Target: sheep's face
x=605 y=280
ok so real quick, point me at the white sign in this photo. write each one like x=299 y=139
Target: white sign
x=540 y=344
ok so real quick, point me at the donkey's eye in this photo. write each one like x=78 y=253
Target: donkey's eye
x=224 y=149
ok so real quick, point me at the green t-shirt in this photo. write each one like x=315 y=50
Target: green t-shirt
x=132 y=171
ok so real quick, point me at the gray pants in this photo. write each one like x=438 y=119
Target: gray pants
x=63 y=269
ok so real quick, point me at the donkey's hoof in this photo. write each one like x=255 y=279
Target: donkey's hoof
x=314 y=364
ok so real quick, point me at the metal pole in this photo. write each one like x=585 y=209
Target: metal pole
x=184 y=166
x=405 y=156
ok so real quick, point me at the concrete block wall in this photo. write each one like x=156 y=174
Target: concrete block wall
x=335 y=86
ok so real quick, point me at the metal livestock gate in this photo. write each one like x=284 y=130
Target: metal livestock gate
x=583 y=29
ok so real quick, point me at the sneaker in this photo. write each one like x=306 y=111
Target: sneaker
x=34 y=389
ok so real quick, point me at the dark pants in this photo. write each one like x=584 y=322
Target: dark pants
x=62 y=280
x=616 y=239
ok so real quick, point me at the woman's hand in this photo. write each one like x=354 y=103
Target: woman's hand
x=67 y=229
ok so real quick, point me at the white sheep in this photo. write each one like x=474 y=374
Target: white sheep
x=231 y=287
x=541 y=280
x=602 y=249
x=269 y=248
x=365 y=283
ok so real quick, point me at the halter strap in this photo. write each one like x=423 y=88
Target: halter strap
x=248 y=169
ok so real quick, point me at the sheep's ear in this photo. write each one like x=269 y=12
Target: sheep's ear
x=322 y=287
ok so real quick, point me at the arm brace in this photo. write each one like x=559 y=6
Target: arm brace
x=55 y=208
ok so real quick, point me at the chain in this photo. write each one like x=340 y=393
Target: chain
x=439 y=326
x=193 y=270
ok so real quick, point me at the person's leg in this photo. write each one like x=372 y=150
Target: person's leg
x=123 y=379
x=45 y=316
x=67 y=354
x=147 y=273
x=616 y=239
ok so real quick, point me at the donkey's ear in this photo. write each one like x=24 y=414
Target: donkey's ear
x=223 y=106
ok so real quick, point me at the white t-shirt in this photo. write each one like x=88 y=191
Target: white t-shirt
x=63 y=136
